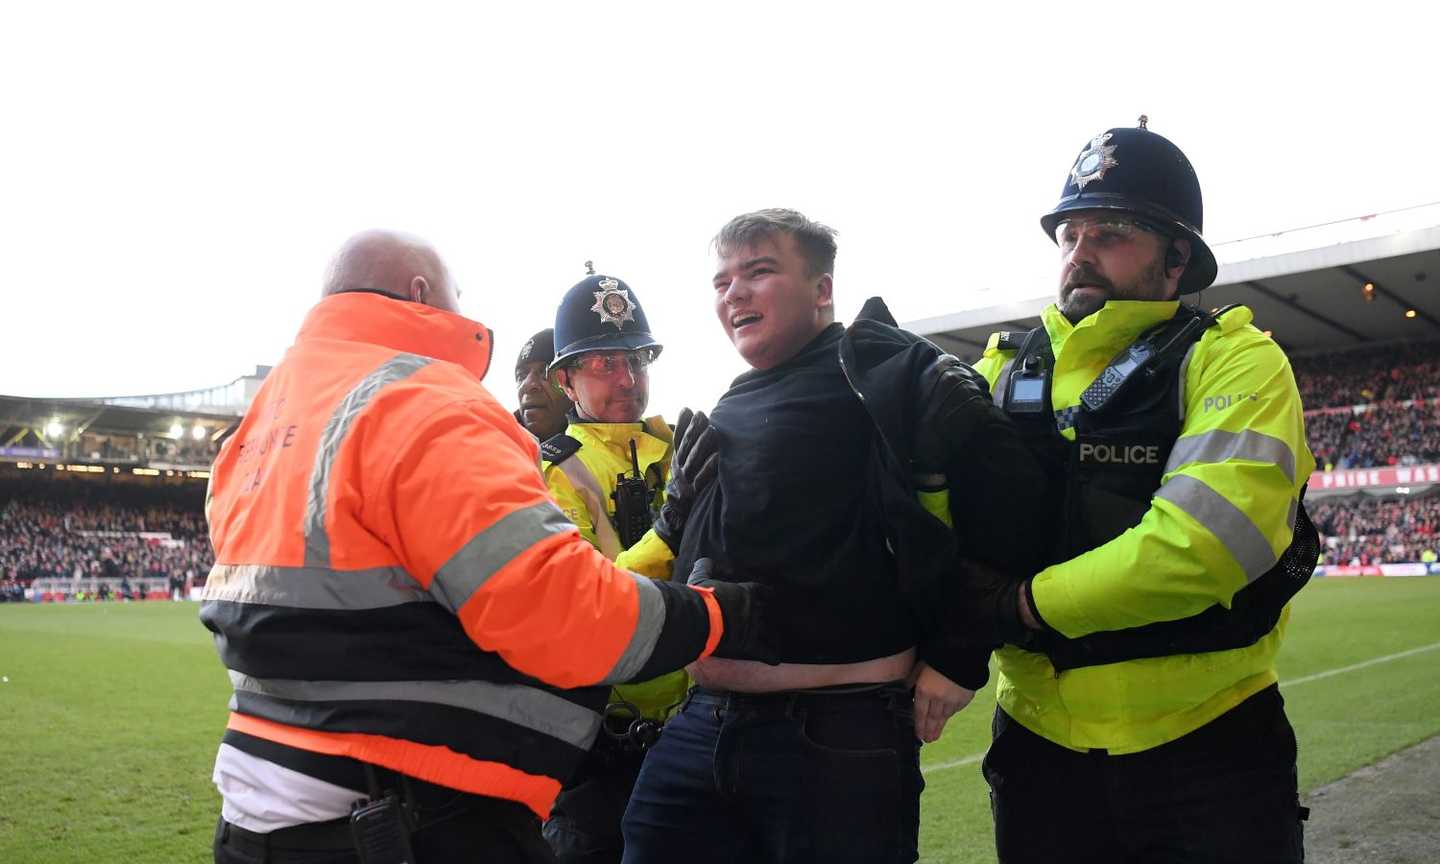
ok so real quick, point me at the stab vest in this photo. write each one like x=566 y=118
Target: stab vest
x=1101 y=484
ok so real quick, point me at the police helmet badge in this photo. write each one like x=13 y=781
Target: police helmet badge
x=526 y=351
x=1094 y=161
x=613 y=304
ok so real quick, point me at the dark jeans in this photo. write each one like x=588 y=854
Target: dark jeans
x=584 y=826
x=1223 y=793
x=453 y=827
x=784 y=778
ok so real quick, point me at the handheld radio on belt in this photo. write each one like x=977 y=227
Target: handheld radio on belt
x=632 y=504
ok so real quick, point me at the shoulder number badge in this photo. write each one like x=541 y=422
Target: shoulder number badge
x=613 y=304
x=1094 y=161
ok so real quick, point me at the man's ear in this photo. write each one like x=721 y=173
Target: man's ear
x=1177 y=257
x=825 y=292
x=419 y=288
x=562 y=380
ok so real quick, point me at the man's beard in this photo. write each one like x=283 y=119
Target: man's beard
x=1075 y=306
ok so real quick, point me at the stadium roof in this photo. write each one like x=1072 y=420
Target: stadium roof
x=1306 y=286
x=86 y=415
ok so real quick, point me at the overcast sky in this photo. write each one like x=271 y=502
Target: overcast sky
x=174 y=177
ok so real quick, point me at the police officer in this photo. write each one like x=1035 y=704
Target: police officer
x=1139 y=717
x=608 y=473
x=543 y=405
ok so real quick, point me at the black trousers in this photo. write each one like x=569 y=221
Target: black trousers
x=1223 y=793
x=453 y=827
x=584 y=826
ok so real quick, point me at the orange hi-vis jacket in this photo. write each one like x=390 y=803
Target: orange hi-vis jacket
x=393 y=583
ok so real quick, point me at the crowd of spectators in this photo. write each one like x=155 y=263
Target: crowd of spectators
x=102 y=532
x=1373 y=407
x=1392 y=434
x=1365 y=531
x=1392 y=373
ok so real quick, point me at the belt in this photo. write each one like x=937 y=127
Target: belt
x=333 y=835
x=783 y=700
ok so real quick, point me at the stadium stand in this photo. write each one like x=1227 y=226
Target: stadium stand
x=1361 y=532
x=79 y=540
x=104 y=498
x=1390 y=373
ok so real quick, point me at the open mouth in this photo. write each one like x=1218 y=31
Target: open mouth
x=744 y=319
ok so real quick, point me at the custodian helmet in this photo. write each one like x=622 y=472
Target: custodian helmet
x=1142 y=174
x=600 y=313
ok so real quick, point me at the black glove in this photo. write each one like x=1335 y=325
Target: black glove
x=747 y=608
x=996 y=602
x=954 y=398
x=692 y=469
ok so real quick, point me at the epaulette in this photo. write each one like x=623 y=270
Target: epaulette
x=559 y=448
x=1010 y=340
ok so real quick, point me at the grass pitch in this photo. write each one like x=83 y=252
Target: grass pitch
x=111 y=715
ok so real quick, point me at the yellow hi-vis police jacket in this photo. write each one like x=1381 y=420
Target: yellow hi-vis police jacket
x=1223 y=514
x=605 y=453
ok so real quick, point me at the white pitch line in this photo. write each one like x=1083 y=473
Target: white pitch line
x=1374 y=661
x=953 y=763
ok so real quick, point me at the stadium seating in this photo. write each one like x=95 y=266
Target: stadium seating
x=102 y=540
x=1373 y=407
x=1367 y=531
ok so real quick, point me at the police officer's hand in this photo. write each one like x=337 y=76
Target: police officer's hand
x=953 y=399
x=692 y=469
x=748 y=609
x=937 y=699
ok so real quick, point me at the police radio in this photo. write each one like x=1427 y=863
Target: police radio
x=632 y=504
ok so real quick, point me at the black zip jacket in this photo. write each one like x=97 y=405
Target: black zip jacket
x=815 y=496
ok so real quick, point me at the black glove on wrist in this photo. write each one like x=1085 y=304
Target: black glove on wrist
x=747 y=608
x=953 y=399
x=692 y=469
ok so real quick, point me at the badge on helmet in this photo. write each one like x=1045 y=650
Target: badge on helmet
x=1138 y=172
x=613 y=303
x=600 y=313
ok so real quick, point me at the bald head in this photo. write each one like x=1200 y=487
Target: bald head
x=399 y=265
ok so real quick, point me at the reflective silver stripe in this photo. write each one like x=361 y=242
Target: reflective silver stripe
x=314 y=587
x=485 y=553
x=1184 y=371
x=397 y=368
x=1223 y=519
x=1002 y=383
x=525 y=706
x=1220 y=445
x=647 y=632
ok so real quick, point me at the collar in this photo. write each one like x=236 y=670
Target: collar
x=1115 y=326
x=404 y=326
x=619 y=433
x=819 y=346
